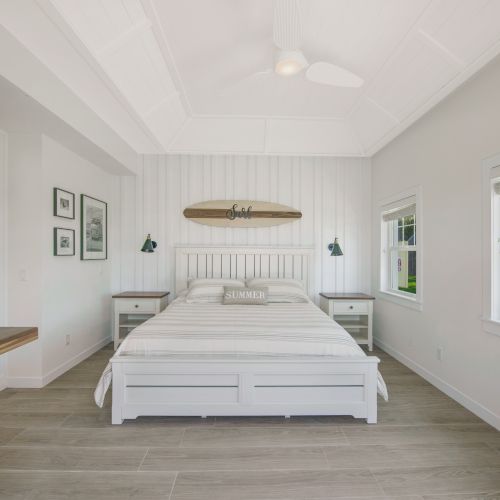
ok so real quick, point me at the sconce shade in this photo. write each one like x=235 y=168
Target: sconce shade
x=335 y=249
x=149 y=245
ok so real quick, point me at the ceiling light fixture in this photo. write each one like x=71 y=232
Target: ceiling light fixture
x=289 y=62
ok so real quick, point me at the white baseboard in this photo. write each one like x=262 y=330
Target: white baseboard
x=67 y=365
x=38 y=382
x=469 y=403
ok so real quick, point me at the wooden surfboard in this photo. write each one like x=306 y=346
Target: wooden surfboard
x=241 y=213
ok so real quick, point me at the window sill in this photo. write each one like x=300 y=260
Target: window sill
x=491 y=326
x=400 y=300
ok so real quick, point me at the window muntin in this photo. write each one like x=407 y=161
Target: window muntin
x=402 y=234
x=400 y=268
x=495 y=249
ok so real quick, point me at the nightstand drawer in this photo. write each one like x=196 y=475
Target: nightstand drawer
x=346 y=307
x=136 y=306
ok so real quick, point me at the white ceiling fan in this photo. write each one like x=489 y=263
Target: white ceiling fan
x=289 y=59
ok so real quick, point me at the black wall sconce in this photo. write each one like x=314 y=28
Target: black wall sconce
x=335 y=249
x=149 y=245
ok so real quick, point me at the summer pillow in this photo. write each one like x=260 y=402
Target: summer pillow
x=281 y=290
x=209 y=293
x=245 y=296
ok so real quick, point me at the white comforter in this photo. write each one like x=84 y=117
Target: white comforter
x=213 y=330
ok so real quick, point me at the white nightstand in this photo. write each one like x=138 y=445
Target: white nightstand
x=130 y=309
x=352 y=311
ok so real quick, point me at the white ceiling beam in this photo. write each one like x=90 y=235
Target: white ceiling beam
x=160 y=103
x=166 y=52
x=69 y=31
x=452 y=58
x=124 y=38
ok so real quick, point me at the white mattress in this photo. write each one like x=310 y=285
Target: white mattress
x=215 y=330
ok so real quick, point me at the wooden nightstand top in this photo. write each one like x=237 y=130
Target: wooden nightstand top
x=140 y=295
x=12 y=337
x=346 y=296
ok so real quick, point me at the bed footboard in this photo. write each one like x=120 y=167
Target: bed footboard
x=166 y=387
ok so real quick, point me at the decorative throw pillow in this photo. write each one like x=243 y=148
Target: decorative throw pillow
x=281 y=290
x=245 y=296
x=192 y=282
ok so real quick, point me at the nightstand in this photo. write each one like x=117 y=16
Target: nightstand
x=130 y=309
x=352 y=311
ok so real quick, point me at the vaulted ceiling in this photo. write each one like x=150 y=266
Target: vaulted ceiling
x=194 y=75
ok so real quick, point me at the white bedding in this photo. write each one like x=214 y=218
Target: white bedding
x=216 y=330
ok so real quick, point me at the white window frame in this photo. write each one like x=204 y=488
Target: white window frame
x=386 y=291
x=491 y=254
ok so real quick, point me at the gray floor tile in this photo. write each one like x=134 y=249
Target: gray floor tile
x=257 y=458
x=46 y=485
x=432 y=480
x=409 y=434
x=411 y=455
x=252 y=485
x=263 y=436
x=114 y=436
x=71 y=458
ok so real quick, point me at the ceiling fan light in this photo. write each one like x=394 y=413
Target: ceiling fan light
x=289 y=62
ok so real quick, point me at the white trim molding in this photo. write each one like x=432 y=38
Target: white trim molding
x=490 y=170
x=383 y=291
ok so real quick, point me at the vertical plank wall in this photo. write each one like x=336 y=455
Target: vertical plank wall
x=332 y=193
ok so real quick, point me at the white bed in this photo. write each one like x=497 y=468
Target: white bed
x=211 y=359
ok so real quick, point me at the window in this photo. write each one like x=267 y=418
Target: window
x=495 y=249
x=491 y=245
x=400 y=268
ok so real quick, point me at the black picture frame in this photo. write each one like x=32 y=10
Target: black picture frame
x=57 y=247
x=56 y=205
x=97 y=230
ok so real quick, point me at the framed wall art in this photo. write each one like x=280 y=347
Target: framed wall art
x=64 y=204
x=64 y=242
x=93 y=228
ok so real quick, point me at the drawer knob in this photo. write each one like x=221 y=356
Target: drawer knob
x=350 y=307
x=136 y=306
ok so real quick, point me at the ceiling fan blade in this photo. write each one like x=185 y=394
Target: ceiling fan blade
x=330 y=74
x=287 y=25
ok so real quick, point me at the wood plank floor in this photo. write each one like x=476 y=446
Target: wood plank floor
x=56 y=444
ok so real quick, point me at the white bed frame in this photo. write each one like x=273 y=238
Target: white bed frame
x=286 y=386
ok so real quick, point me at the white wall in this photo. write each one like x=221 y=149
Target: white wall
x=25 y=235
x=3 y=227
x=3 y=248
x=332 y=193
x=76 y=297
x=442 y=153
x=59 y=295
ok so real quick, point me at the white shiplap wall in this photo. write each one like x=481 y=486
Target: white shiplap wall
x=332 y=193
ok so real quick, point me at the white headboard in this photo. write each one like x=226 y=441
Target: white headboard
x=243 y=262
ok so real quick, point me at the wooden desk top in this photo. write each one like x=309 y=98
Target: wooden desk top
x=346 y=296
x=12 y=337
x=140 y=295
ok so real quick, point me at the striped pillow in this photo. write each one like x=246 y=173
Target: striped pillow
x=281 y=290
x=209 y=293
x=215 y=281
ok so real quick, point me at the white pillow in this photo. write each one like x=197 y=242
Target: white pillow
x=281 y=290
x=215 y=281
x=275 y=281
x=210 y=291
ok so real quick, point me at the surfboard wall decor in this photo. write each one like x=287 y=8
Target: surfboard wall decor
x=241 y=213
